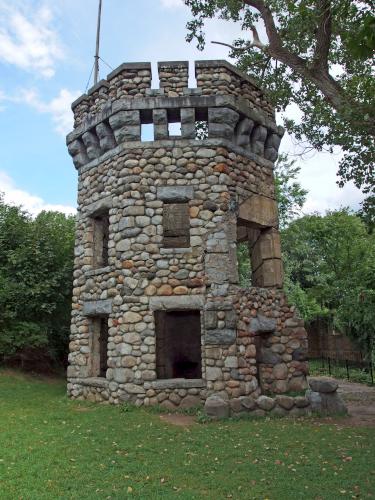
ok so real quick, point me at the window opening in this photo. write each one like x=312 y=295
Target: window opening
x=176 y=225
x=99 y=346
x=147 y=132
x=201 y=124
x=201 y=130
x=178 y=344
x=174 y=129
x=101 y=239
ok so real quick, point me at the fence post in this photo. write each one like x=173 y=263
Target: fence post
x=371 y=373
x=329 y=365
x=347 y=369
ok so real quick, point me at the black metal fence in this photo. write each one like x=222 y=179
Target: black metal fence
x=352 y=367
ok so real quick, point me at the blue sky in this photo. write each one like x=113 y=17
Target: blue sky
x=46 y=55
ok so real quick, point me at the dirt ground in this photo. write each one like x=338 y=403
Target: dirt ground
x=360 y=400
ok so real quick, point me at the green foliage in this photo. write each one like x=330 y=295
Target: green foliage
x=244 y=264
x=307 y=305
x=36 y=266
x=367 y=213
x=55 y=448
x=334 y=89
x=290 y=195
x=330 y=263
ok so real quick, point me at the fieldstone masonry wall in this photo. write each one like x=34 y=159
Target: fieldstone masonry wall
x=252 y=341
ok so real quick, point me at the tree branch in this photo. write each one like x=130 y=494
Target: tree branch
x=255 y=43
x=232 y=47
x=323 y=36
x=317 y=75
x=276 y=48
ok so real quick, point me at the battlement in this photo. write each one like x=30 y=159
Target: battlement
x=132 y=80
x=226 y=103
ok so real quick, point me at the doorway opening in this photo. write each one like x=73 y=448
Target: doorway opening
x=178 y=344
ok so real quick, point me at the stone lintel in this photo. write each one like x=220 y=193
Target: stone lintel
x=98 y=207
x=175 y=194
x=177 y=383
x=97 y=307
x=92 y=382
x=259 y=210
x=125 y=66
x=176 y=251
x=177 y=303
x=98 y=271
x=224 y=336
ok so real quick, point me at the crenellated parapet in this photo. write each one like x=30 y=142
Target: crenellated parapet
x=221 y=77
x=113 y=111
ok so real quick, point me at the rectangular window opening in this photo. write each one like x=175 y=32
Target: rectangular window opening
x=176 y=225
x=246 y=237
x=147 y=132
x=174 y=129
x=178 y=344
x=99 y=346
x=201 y=130
x=101 y=239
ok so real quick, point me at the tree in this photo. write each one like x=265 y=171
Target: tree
x=332 y=259
x=36 y=267
x=367 y=213
x=290 y=195
x=318 y=56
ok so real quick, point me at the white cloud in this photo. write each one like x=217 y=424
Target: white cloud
x=58 y=107
x=171 y=4
x=27 y=39
x=33 y=204
x=319 y=176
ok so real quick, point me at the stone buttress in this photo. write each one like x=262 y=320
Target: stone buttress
x=170 y=182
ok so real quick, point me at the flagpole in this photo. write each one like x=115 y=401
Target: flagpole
x=96 y=71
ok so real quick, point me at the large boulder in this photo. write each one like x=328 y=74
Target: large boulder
x=216 y=407
x=332 y=404
x=265 y=403
x=323 y=384
x=326 y=403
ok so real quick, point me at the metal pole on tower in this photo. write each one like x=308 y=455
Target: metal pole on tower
x=96 y=71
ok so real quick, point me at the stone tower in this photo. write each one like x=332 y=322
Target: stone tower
x=158 y=314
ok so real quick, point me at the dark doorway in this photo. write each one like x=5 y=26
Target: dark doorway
x=178 y=344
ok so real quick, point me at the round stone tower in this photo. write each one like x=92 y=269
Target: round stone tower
x=170 y=181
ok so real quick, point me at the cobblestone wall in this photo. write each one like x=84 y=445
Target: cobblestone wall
x=251 y=340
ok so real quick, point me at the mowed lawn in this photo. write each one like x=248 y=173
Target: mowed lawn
x=54 y=448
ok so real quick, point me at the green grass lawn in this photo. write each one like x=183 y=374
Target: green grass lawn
x=54 y=448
